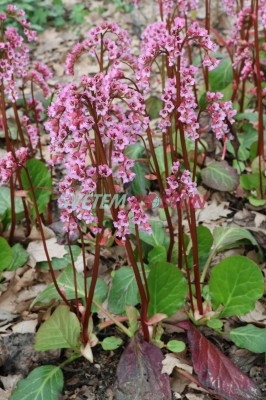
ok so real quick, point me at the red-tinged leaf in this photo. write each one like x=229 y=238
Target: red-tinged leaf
x=139 y=373
x=217 y=372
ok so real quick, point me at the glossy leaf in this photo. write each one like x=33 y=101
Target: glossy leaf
x=222 y=76
x=65 y=280
x=111 y=343
x=224 y=236
x=6 y=255
x=236 y=283
x=205 y=241
x=42 y=383
x=124 y=290
x=60 y=331
x=176 y=346
x=41 y=182
x=5 y=201
x=139 y=373
x=19 y=257
x=217 y=372
x=168 y=289
x=220 y=176
x=250 y=337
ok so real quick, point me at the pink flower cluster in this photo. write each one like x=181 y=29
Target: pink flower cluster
x=32 y=131
x=11 y=162
x=104 y=109
x=263 y=12
x=188 y=115
x=157 y=40
x=139 y=218
x=230 y=7
x=14 y=62
x=114 y=41
x=180 y=187
x=220 y=112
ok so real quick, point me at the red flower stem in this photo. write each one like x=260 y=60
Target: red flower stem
x=84 y=261
x=259 y=95
x=142 y=264
x=74 y=276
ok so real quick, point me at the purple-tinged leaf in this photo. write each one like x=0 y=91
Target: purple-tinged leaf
x=221 y=176
x=139 y=373
x=217 y=372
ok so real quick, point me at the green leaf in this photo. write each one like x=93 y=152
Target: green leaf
x=154 y=106
x=168 y=289
x=5 y=201
x=220 y=176
x=159 y=151
x=157 y=238
x=176 y=346
x=41 y=182
x=111 y=343
x=6 y=255
x=157 y=254
x=224 y=236
x=250 y=337
x=222 y=76
x=61 y=263
x=66 y=281
x=215 y=323
x=124 y=290
x=236 y=283
x=205 y=241
x=19 y=257
x=42 y=383
x=60 y=331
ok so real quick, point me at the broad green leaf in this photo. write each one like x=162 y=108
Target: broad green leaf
x=66 y=281
x=220 y=176
x=157 y=238
x=5 y=201
x=256 y=202
x=176 y=346
x=61 y=263
x=236 y=283
x=168 y=289
x=41 y=182
x=251 y=117
x=60 y=331
x=222 y=76
x=224 y=236
x=205 y=241
x=250 y=337
x=111 y=343
x=134 y=151
x=215 y=323
x=157 y=254
x=252 y=181
x=19 y=257
x=6 y=255
x=43 y=383
x=124 y=290
x=154 y=106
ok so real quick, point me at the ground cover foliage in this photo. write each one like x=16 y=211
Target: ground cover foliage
x=132 y=198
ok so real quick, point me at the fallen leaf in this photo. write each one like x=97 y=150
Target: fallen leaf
x=25 y=326
x=139 y=374
x=213 y=211
x=216 y=371
x=10 y=381
x=256 y=315
x=36 y=249
x=171 y=361
x=36 y=235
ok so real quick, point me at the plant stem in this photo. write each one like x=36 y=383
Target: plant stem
x=113 y=319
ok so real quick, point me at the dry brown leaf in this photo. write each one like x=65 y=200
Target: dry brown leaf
x=178 y=382
x=5 y=394
x=171 y=361
x=10 y=381
x=213 y=211
x=36 y=235
x=257 y=315
x=25 y=326
x=36 y=250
